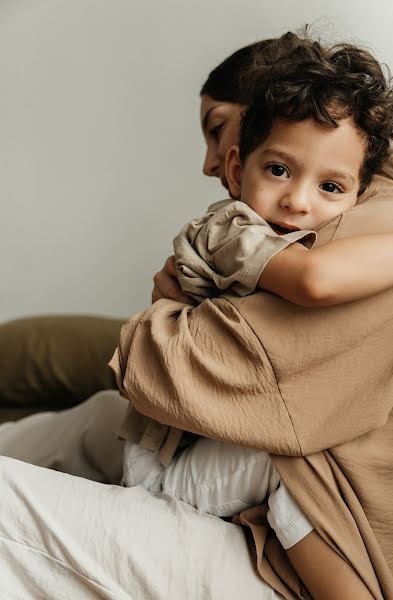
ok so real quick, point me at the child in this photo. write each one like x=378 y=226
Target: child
x=318 y=129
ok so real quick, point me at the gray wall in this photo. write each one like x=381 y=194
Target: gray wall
x=100 y=148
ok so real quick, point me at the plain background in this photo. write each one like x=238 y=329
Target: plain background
x=100 y=148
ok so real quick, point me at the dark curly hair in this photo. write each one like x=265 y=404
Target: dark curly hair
x=308 y=80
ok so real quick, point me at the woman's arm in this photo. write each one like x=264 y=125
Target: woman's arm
x=340 y=271
x=325 y=574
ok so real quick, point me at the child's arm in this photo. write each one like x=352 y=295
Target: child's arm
x=340 y=271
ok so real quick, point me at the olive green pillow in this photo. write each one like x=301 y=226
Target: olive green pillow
x=55 y=361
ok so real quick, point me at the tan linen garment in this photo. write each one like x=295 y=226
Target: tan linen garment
x=311 y=386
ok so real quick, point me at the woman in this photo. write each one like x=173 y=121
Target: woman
x=76 y=552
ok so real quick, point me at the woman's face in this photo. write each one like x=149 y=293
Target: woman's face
x=220 y=123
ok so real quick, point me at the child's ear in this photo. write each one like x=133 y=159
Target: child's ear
x=233 y=171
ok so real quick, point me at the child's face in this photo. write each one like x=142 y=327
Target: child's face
x=302 y=175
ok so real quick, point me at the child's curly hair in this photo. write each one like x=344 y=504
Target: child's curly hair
x=308 y=80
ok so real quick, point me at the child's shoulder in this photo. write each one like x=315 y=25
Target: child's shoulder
x=216 y=206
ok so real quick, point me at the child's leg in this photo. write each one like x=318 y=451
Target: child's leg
x=286 y=518
x=224 y=479
x=220 y=479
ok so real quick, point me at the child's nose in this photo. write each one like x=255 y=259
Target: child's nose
x=297 y=200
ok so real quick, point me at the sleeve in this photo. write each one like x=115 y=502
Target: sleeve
x=260 y=373
x=227 y=249
x=333 y=365
x=203 y=370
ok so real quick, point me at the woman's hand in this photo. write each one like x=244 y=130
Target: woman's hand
x=167 y=286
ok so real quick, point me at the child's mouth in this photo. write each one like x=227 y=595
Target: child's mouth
x=281 y=230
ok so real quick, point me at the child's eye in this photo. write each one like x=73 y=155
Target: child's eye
x=278 y=170
x=215 y=131
x=331 y=187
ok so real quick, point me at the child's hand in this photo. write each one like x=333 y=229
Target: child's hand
x=167 y=286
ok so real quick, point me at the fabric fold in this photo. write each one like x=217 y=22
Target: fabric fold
x=227 y=249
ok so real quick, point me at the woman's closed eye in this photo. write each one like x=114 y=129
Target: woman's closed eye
x=215 y=131
x=278 y=170
x=331 y=187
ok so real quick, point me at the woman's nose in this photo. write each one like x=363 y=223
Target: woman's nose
x=211 y=165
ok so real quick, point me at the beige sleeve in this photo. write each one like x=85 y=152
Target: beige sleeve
x=227 y=249
x=203 y=370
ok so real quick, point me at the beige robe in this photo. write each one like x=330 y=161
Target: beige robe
x=311 y=386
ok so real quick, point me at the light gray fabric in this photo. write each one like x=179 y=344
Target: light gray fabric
x=82 y=441
x=63 y=536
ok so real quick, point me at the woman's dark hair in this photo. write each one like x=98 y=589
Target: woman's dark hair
x=308 y=80
x=228 y=81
